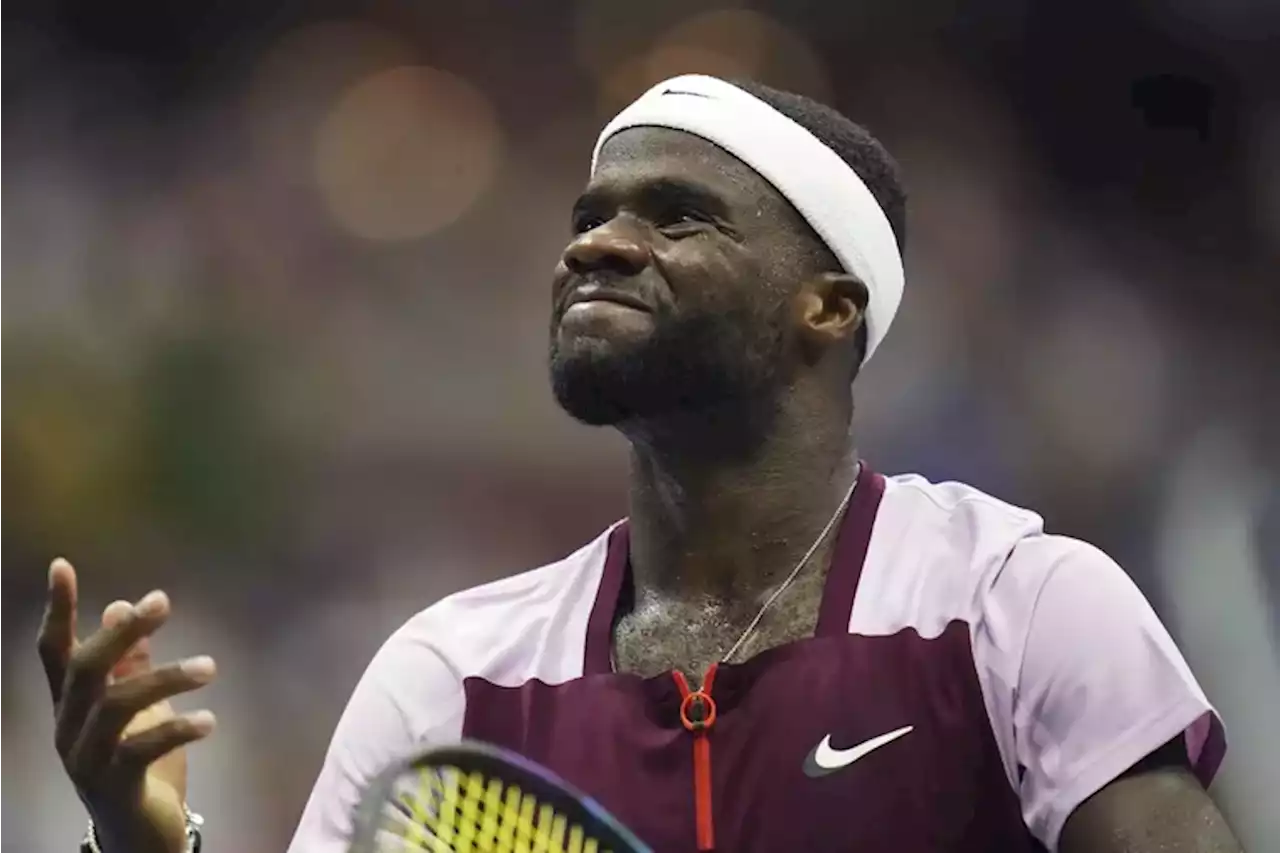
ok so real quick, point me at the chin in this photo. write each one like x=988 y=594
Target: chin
x=602 y=343
x=618 y=378
x=591 y=384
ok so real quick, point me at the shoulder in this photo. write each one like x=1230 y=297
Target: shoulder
x=957 y=514
x=958 y=529
x=946 y=552
x=981 y=556
x=518 y=626
x=936 y=552
x=413 y=690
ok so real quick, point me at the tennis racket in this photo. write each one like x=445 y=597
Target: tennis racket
x=475 y=798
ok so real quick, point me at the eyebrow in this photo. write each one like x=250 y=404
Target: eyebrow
x=656 y=194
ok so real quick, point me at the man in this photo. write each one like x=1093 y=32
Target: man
x=779 y=649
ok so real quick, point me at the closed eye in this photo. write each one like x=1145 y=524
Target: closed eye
x=585 y=220
x=678 y=208
x=684 y=221
x=690 y=214
x=679 y=222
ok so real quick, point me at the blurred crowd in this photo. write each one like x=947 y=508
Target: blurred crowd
x=276 y=289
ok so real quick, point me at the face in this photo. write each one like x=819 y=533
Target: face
x=673 y=295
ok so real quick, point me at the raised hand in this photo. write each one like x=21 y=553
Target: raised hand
x=117 y=735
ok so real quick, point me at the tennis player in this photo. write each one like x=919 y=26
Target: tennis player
x=780 y=649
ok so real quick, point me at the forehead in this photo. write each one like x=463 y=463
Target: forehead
x=640 y=155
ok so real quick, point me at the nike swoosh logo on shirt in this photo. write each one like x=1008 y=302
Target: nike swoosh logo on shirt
x=826 y=759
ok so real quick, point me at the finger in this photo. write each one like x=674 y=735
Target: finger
x=140 y=750
x=116 y=612
x=138 y=658
x=57 y=637
x=122 y=708
x=129 y=697
x=109 y=645
x=93 y=660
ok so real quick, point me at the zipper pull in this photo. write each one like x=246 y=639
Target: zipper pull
x=698 y=715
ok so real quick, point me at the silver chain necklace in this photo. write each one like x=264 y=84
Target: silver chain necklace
x=790 y=579
x=795 y=573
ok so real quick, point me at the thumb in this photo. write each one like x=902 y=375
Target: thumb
x=138 y=658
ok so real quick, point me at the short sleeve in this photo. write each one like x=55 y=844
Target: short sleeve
x=406 y=697
x=1100 y=684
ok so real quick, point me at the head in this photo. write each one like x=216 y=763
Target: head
x=692 y=286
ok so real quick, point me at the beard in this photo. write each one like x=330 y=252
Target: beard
x=708 y=362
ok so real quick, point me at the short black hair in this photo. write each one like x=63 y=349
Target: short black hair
x=858 y=148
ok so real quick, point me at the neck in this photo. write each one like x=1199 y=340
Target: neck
x=715 y=514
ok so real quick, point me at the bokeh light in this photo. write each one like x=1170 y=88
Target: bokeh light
x=603 y=32
x=406 y=152
x=727 y=43
x=296 y=82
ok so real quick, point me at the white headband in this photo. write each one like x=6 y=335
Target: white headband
x=827 y=193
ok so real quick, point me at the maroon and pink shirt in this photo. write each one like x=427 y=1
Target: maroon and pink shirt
x=971 y=680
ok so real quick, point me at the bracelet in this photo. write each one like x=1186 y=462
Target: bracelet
x=90 y=844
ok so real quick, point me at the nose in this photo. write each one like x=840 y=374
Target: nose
x=612 y=247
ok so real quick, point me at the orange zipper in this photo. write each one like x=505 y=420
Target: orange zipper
x=698 y=715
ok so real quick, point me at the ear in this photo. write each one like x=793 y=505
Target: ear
x=831 y=308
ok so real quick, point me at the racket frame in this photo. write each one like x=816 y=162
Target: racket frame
x=506 y=766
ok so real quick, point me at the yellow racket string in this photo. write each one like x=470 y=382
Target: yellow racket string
x=445 y=810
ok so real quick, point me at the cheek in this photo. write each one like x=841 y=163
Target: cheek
x=705 y=277
x=779 y=279
x=782 y=266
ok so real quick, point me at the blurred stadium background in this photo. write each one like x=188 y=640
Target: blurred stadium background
x=275 y=299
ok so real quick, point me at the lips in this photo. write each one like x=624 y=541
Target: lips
x=590 y=293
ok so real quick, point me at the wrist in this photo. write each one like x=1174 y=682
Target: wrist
x=113 y=836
